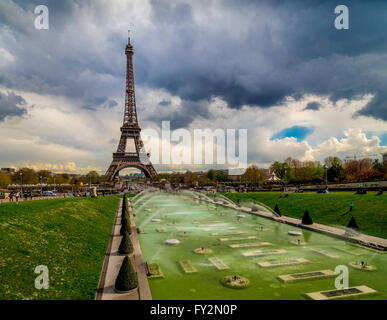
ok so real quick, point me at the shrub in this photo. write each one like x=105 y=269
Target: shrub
x=126 y=246
x=127 y=277
x=124 y=206
x=125 y=228
x=125 y=225
x=306 y=219
x=277 y=210
x=352 y=224
x=125 y=219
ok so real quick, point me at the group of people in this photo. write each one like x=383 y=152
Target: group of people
x=15 y=196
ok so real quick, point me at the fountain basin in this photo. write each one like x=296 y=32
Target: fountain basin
x=172 y=242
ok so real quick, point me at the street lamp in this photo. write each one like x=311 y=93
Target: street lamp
x=54 y=185
x=41 y=186
x=21 y=181
x=326 y=175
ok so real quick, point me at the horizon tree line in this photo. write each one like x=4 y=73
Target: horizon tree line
x=290 y=171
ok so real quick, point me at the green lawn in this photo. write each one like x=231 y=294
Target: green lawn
x=69 y=236
x=370 y=210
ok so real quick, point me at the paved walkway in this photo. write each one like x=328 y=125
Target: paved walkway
x=113 y=263
x=360 y=238
x=33 y=199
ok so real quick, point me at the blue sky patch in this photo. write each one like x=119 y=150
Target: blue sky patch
x=298 y=132
x=383 y=137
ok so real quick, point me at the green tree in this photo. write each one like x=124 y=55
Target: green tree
x=335 y=169
x=281 y=170
x=92 y=176
x=253 y=175
x=29 y=176
x=220 y=177
x=5 y=179
x=62 y=178
x=318 y=174
x=211 y=174
x=45 y=175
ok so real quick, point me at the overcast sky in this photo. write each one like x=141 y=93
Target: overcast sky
x=280 y=69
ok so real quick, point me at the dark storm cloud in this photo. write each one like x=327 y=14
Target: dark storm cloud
x=189 y=111
x=314 y=105
x=253 y=53
x=377 y=107
x=278 y=49
x=11 y=105
x=67 y=59
x=165 y=103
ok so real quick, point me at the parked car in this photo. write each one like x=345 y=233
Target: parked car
x=48 y=194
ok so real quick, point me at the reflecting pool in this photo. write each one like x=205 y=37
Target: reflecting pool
x=216 y=242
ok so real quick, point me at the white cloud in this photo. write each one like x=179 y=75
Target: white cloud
x=59 y=134
x=329 y=122
x=5 y=57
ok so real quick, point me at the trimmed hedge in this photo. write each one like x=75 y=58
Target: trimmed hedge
x=126 y=246
x=125 y=219
x=125 y=224
x=125 y=209
x=125 y=228
x=277 y=210
x=353 y=224
x=306 y=219
x=127 y=277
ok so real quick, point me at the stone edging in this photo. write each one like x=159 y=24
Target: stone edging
x=102 y=277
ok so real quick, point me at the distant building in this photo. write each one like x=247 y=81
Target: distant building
x=384 y=158
x=8 y=170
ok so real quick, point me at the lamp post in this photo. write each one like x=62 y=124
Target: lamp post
x=326 y=175
x=41 y=186
x=21 y=182
x=54 y=185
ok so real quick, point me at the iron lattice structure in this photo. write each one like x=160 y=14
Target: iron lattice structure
x=130 y=130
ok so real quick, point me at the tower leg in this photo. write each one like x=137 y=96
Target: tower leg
x=110 y=173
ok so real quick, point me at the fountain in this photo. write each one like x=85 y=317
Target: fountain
x=172 y=242
x=257 y=248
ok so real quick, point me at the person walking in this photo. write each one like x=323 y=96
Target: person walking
x=350 y=206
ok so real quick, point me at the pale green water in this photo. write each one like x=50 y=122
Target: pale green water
x=205 y=284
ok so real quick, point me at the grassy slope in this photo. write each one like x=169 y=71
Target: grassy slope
x=69 y=236
x=370 y=210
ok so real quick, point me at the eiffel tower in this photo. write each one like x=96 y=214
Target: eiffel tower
x=135 y=156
